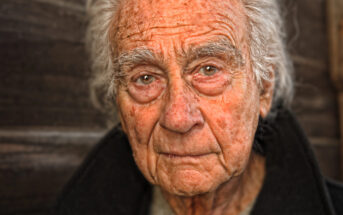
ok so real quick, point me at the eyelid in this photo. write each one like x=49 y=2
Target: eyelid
x=197 y=64
x=149 y=70
x=199 y=67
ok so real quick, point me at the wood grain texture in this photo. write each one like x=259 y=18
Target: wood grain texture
x=38 y=20
x=327 y=153
x=35 y=164
x=44 y=76
x=335 y=32
x=315 y=102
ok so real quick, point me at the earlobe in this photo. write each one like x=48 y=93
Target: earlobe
x=266 y=97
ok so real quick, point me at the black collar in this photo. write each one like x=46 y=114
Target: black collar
x=109 y=182
x=293 y=183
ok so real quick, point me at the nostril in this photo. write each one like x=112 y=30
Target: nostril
x=181 y=121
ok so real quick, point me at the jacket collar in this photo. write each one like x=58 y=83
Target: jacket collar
x=293 y=183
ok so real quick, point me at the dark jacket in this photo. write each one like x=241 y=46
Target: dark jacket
x=109 y=182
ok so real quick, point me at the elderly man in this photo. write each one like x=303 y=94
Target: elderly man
x=201 y=88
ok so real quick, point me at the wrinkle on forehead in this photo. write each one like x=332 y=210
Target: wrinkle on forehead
x=142 y=20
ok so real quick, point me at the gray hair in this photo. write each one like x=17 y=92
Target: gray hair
x=267 y=50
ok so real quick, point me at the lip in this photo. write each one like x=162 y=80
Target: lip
x=174 y=155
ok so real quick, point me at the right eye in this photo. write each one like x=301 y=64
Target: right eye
x=211 y=78
x=208 y=70
x=146 y=87
x=145 y=79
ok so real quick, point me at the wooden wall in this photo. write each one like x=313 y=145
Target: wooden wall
x=315 y=101
x=47 y=123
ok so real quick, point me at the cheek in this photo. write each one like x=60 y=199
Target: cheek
x=139 y=121
x=146 y=93
x=233 y=119
x=213 y=86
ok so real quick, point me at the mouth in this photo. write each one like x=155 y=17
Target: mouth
x=173 y=155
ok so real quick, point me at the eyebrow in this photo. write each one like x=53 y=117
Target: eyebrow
x=222 y=48
x=144 y=56
x=139 y=56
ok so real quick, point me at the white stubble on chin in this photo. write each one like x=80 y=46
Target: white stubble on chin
x=190 y=178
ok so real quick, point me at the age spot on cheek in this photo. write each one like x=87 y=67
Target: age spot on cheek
x=221 y=123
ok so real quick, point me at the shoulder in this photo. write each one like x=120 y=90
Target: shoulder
x=104 y=183
x=336 y=193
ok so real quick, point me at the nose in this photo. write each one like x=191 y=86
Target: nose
x=181 y=113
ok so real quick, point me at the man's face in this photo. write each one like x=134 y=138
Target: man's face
x=188 y=100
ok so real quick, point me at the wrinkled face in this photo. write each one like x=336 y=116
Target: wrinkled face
x=188 y=100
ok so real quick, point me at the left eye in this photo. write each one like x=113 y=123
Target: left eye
x=208 y=70
x=145 y=79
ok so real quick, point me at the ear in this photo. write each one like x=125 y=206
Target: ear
x=266 y=96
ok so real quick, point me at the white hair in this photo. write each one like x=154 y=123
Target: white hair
x=267 y=50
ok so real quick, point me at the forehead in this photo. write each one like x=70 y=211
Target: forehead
x=186 y=21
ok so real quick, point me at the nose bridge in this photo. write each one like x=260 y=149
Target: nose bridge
x=179 y=102
x=180 y=113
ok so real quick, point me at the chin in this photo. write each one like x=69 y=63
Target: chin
x=190 y=183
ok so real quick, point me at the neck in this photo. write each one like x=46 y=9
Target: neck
x=231 y=198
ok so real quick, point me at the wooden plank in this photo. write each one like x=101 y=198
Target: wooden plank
x=340 y=102
x=306 y=29
x=35 y=164
x=315 y=102
x=42 y=20
x=48 y=87
x=328 y=155
x=44 y=77
x=319 y=126
x=335 y=31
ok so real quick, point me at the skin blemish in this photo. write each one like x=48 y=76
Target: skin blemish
x=221 y=123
